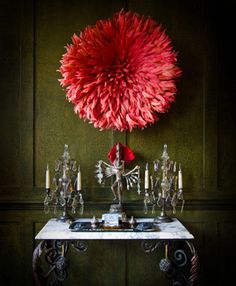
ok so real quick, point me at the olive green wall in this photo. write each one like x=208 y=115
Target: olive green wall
x=36 y=122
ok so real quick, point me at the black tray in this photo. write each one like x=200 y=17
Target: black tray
x=77 y=226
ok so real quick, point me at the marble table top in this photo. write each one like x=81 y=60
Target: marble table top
x=56 y=230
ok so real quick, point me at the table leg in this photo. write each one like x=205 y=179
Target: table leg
x=180 y=263
x=54 y=252
x=36 y=265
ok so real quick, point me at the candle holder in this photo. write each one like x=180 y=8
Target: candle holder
x=166 y=187
x=67 y=189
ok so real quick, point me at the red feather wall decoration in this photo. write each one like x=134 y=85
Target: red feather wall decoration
x=121 y=72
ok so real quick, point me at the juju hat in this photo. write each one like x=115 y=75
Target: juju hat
x=121 y=72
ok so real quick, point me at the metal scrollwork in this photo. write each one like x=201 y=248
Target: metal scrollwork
x=175 y=262
x=194 y=264
x=149 y=246
x=39 y=279
x=80 y=245
x=176 y=283
x=51 y=255
x=55 y=257
x=55 y=283
x=61 y=264
x=61 y=246
x=180 y=258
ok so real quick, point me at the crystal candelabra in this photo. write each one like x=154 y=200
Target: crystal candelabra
x=67 y=187
x=164 y=188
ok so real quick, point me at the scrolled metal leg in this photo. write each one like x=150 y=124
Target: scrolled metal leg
x=184 y=263
x=36 y=265
x=179 y=265
x=194 y=264
x=55 y=257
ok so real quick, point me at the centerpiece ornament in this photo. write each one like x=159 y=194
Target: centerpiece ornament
x=119 y=155
x=120 y=73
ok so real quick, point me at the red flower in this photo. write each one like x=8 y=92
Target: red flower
x=121 y=72
x=127 y=154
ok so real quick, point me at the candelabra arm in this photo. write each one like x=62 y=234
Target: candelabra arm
x=163 y=216
x=65 y=215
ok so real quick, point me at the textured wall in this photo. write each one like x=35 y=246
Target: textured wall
x=36 y=122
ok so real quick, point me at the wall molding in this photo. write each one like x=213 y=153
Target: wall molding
x=223 y=205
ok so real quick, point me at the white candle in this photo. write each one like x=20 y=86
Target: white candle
x=79 y=185
x=47 y=178
x=180 y=178
x=146 y=178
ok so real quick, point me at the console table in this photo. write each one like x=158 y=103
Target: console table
x=180 y=262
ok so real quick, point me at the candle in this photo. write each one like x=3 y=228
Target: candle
x=47 y=178
x=79 y=187
x=146 y=178
x=180 y=178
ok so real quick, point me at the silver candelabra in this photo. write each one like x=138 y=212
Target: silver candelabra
x=164 y=188
x=67 y=190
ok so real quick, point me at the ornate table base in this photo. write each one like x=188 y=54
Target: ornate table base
x=180 y=262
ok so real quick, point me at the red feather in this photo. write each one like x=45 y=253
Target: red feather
x=127 y=154
x=121 y=72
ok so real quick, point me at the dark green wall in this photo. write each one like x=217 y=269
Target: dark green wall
x=36 y=122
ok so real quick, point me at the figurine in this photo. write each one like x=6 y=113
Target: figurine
x=118 y=155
